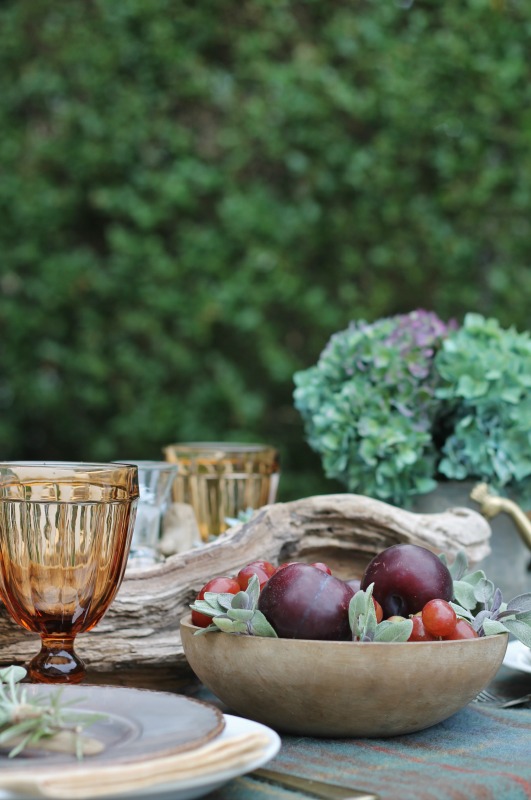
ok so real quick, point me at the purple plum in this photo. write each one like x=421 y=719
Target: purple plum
x=303 y=602
x=405 y=578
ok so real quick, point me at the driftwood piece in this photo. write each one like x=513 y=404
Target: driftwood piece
x=141 y=629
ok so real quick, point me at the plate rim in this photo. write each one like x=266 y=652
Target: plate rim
x=200 y=784
x=116 y=759
x=222 y=777
x=514 y=653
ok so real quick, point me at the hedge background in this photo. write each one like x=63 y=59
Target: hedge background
x=195 y=195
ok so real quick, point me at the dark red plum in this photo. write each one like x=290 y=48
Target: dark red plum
x=303 y=602
x=406 y=577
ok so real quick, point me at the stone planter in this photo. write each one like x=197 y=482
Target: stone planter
x=508 y=565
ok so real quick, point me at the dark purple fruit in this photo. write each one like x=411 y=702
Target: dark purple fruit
x=303 y=602
x=405 y=578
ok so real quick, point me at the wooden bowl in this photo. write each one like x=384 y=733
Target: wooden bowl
x=319 y=688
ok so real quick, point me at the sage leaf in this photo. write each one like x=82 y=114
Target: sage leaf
x=230 y=626
x=240 y=600
x=521 y=630
x=483 y=591
x=223 y=599
x=459 y=566
x=240 y=614
x=261 y=627
x=464 y=594
x=473 y=578
x=208 y=629
x=461 y=611
x=205 y=608
x=521 y=602
x=12 y=673
x=496 y=602
x=393 y=631
x=253 y=591
x=493 y=626
x=359 y=613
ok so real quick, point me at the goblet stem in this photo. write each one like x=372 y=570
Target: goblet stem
x=57 y=661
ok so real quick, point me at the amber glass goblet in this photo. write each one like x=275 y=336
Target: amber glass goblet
x=65 y=531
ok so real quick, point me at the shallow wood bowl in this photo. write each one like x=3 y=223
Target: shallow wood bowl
x=338 y=689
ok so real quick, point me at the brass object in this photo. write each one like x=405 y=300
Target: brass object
x=325 y=791
x=491 y=505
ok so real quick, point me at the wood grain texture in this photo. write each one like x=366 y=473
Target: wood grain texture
x=329 y=688
x=141 y=629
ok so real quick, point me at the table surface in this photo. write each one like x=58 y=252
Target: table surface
x=481 y=752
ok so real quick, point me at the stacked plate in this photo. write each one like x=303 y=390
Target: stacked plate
x=144 y=744
x=518 y=656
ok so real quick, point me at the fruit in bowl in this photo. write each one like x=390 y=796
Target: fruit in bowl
x=271 y=653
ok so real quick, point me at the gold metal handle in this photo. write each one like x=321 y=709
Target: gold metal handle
x=491 y=505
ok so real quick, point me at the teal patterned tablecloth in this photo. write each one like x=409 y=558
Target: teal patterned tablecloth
x=480 y=753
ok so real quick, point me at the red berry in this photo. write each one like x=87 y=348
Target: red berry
x=322 y=567
x=378 y=609
x=246 y=573
x=267 y=566
x=462 y=630
x=419 y=632
x=439 y=618
x=221 y=584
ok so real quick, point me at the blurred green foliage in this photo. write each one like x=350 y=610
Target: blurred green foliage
x=195 y=195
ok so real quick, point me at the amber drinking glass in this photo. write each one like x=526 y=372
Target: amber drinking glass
x=221 y=479
x=65 y=531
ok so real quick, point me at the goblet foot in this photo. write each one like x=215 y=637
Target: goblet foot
x=57 y=662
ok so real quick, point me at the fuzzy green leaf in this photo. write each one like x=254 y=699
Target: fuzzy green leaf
x=521 y=630
x=12 y=673
x=261 y=627
x=473 y=578
x=464 y=594
x=253 y=591
x=240 y=614
x=205 y=608
x=223 y=599
x=393 y=631
x=361 y=613
x=459 y=566
x=462 y=612
x=230 y=626
x=521 y=602
x=240 y=600
x=483 y=590
x=493 y=626
x=208 y=629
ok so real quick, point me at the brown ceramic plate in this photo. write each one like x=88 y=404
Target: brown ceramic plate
x=136 y=725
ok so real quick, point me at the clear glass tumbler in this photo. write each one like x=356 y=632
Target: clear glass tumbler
x=65 y=531
x=221 y=479
x=155 y=480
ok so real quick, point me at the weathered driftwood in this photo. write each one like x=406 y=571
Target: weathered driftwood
x=141 y=629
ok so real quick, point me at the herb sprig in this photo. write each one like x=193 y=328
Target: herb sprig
x=481 y=603
x=44 y=721
x=235 y=613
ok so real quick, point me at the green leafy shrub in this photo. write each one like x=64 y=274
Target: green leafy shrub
x=369 y=405
x=195 y=196
x=393 y=406
x=486 y=390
